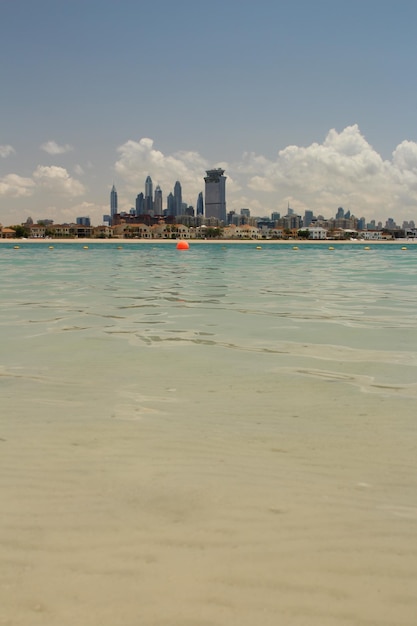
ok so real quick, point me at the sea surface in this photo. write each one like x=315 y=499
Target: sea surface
x=218 y=436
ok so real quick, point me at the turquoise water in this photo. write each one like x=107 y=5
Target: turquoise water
x=230 y=308
x=216 y=323
x=210 y=437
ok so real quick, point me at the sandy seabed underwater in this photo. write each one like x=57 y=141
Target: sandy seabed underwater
x=213 y=437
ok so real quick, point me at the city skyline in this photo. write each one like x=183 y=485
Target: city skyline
x=151 y=205
x=213 y=207
x=317 y=106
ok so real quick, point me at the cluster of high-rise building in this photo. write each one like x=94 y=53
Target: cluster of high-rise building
x=150 y=207
x=151 y=204
x=291 y=221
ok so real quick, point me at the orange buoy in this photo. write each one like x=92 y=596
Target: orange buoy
x=183 y=245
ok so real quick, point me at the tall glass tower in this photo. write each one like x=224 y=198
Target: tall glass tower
x=113 y=202
x=140 y=204
x=148 y=195
x=216 y=194
x=178 y=198
x=170 y=204
x=200 y=204
x=157 y=205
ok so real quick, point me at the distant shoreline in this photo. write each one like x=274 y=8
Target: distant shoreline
x=256 y=242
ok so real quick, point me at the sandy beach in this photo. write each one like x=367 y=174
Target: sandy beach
x=257 y=242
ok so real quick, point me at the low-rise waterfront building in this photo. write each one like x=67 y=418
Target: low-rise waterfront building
x=276 y=233
x=371 y=234
x=36 y=231
x=61 y=231
x=6 y=232
x=244 y=231
x=317 y=232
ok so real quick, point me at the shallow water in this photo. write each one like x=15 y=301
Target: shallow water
x=218 y=436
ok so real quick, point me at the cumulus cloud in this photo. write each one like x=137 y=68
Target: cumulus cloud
x=52 y=147
x=15 y=186
x=90 y=209
x=404 y=161
x=138 y=159
x=68 y=214
x=343 y=170
x=342 y=162
x=57 y=179
x=51 y=179
x=6 y=150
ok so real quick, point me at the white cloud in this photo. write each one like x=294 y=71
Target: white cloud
x=345 y=170
x=78 y=170
x=92 y=210
x=69 y=214
x=260 y=183
x=44 y=178
x=57 y=179
x=343 y=162
x=6 y=150
x=404 y=159
x=52 y=147
x=15 y=186
x=342 y=170
x=138 y=159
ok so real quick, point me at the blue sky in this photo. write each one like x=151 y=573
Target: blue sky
x=308 y=102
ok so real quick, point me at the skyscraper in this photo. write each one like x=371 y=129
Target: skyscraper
x=170 y=204
x=148 y=195
x=308 y=218
x=140 y=204
x=200 y=204
x=178 y=198
x=113 y=202
x=157 y=205
x=216 y=194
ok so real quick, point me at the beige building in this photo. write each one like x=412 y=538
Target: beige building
x=6 y=233
x=241 y=232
